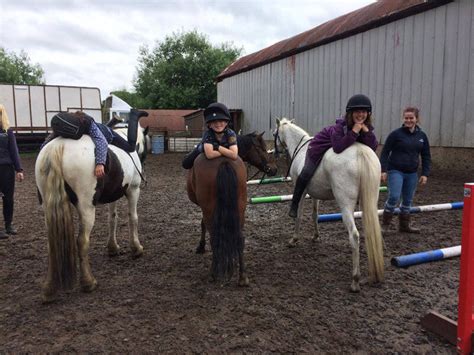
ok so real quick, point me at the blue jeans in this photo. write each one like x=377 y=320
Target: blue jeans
x=401 y=185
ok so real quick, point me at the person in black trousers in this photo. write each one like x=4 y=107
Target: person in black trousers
x=10 y=167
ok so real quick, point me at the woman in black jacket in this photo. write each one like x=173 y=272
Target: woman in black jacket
x=10 y=167
x=400 y=160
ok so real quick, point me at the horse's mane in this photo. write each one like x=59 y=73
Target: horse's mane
x=285 y=120
x=244 y=142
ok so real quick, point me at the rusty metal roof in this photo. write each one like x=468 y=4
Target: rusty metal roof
x=374 y=15
x=173 y=120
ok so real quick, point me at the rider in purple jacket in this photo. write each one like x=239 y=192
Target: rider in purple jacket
x=355 y=126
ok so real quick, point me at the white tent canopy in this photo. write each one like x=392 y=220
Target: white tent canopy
x=119 y=107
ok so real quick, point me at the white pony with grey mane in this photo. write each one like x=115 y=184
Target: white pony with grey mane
x=65 y=179
x=349 y=177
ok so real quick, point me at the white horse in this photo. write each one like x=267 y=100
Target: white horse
x=348 y=177
x=65 y=178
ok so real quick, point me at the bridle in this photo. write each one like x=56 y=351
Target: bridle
x=278 y=141
x=263 y=160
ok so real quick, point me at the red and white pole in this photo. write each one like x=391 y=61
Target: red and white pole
x=466 y=278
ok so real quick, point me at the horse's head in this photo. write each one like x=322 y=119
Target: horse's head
x=143 y=143
x=253 y=150
x=279 y=136
x=289 y=137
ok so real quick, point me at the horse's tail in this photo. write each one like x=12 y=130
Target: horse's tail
x=369 y=166
x=59 y=222
x=226 y=240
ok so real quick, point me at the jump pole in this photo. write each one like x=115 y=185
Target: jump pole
x=269 y=181
x=460 y=333
x=425 y=256
x=284 y=198
x=426 y=208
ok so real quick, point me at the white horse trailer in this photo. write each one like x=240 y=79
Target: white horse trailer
x=31 y=107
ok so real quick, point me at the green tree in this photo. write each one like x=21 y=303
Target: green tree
x=180 y=71
x=17 y=69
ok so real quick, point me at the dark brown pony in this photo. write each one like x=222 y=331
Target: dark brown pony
x=252 y=150
x=219 y=187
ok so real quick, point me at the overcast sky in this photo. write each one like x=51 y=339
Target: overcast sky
x=96 y=43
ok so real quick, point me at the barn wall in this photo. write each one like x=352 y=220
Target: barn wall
x=426 y=60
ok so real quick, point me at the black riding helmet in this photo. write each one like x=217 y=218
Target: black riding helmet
x=358 y=102
x=216 y=111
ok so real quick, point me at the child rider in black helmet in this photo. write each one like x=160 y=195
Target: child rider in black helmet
x=219 y=140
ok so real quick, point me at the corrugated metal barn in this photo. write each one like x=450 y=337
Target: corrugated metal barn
x=398 y=52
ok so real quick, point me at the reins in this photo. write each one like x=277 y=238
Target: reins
x=295 y=153
x=138 y=170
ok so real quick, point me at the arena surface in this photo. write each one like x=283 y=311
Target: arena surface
x=298 y=299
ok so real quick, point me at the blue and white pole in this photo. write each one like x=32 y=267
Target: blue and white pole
x=426 y=208
x=426 y=256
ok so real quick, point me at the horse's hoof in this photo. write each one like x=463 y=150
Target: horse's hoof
x=48 y=295
x=292 y=243
x=87 y=288
x=45 y=299
x=244 y=281
x=113 y=251
x=355 y=289
x=136 y=253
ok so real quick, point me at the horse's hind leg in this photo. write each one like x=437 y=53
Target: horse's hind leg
x=348 y=219
x=135 y=246
x=112 y=245
x=87 y=219
x=201 y=248
x=49 y=287
x=315 y=219
x=243 y=279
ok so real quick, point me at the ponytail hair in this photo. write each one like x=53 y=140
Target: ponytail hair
x=5 y=123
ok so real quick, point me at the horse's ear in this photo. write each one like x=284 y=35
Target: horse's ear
x=261 y=134
x=277 y=121
x=293 y=120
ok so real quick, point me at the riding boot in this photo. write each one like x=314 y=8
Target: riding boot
x=113 y=121
x=133 y=119
x=3 y=235
x=300 y=187
x=404 y=219
x=10 y=229
x=386 y=220
x=188 y=160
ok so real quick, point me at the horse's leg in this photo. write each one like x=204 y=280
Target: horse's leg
x=294 y=239
x=112 y=245
x=243 y=279
x=87 y=219
x=201 y=249
x=49 y=287
x=135 y=246
x=315 y=219
x=348 y=219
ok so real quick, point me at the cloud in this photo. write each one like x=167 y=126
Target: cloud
x=96 y=43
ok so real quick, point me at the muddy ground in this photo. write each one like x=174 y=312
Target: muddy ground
x=298 y=299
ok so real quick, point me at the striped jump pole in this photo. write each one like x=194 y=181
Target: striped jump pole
x=269 y=181
x=284 y=198
x=460 y=332
x=426 y=208
x=426 y=256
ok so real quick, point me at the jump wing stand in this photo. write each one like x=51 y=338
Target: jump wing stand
x=460 y=333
